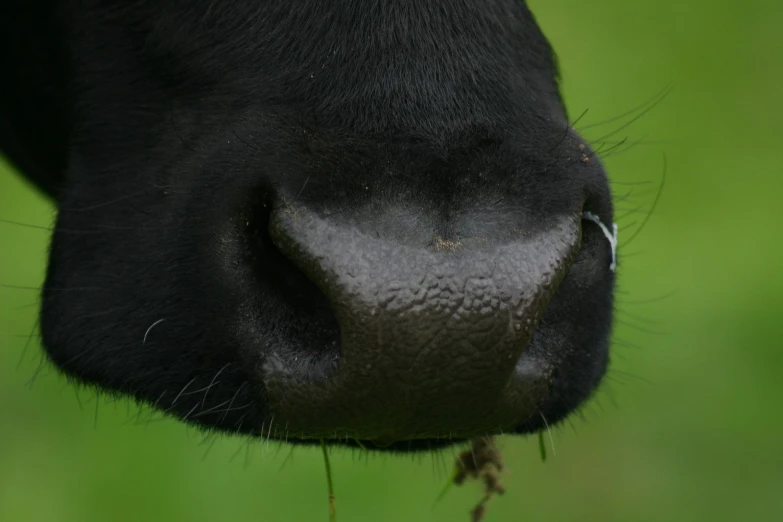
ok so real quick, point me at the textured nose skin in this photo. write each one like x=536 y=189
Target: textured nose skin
x=430 y=340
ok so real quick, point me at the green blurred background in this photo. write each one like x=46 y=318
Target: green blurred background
x=688 y=425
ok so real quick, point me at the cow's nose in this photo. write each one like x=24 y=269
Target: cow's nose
x=430 y=339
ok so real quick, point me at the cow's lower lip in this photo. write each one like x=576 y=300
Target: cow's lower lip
x=528 y=369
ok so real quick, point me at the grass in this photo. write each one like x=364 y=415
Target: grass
x=329 y=484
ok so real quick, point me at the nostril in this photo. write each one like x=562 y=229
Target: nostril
x=309 y=333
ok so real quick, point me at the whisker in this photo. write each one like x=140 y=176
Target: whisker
x=55 y=288
x=599 y=151
x=625 y=344
x=213 y=408
x=38 y=370
x=652 y=299
x=628 y=123
x=156 y=323
x=181 y=392
x=95 y=419
x=288 y=457
x=212 y=383
x=654 y=205
x=27 y=343
x=627 y=226
x=637 y=317
x=19 y=287
x=209 y=448
x=654 y=100
x=191 y=411
x=26 y=225
x=549 y=432
x=639 y=327
x=631 y=183
x=94 y=228
x=104 y=203
x=632 y=376
x=232 y=400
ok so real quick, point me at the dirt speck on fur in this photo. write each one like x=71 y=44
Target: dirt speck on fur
x=445 y=245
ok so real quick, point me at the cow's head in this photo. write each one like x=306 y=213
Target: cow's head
x=359 y=222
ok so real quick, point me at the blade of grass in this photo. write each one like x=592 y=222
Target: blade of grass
x=329 y=484
x=446 y=487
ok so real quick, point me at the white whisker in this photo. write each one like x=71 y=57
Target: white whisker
x=153 y=325
x=549 y=432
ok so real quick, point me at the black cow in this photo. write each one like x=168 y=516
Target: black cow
x=350 y=220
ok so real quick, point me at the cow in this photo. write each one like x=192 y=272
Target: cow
x=361 y=223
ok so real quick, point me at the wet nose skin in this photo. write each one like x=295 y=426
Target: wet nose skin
x=431 y=340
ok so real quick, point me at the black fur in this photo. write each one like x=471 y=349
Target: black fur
x=312 y=219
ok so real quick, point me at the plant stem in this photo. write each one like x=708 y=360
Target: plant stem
x=330 y=486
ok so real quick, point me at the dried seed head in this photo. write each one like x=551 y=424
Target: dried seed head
x=481 y=462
